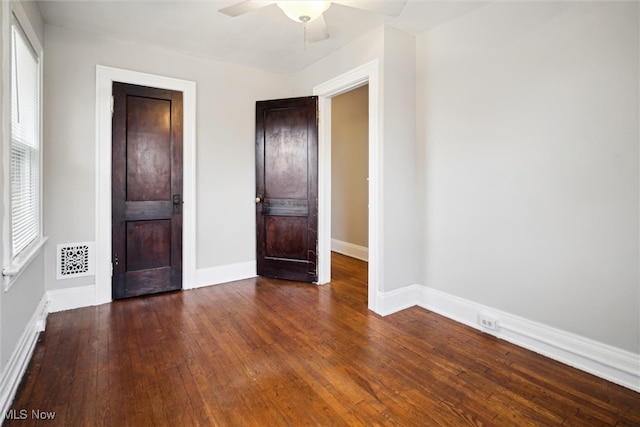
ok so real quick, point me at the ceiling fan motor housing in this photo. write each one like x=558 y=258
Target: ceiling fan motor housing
x=303 y=11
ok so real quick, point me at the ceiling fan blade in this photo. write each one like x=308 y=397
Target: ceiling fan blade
x=385 y=7
x=244 y=7
x=317 y=30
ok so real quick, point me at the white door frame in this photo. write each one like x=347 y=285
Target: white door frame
x=105 y=76
x=367 y=73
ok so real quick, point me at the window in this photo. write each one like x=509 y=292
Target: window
x=23 y=214
x=25 y=142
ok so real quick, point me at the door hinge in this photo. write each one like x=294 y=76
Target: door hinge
x=111 y=269
x=112 y=104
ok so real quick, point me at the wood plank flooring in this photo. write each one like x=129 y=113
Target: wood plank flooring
x=275 y=353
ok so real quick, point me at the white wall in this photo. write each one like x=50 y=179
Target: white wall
x=400 y=217
x=528 y=130
x=225 y=122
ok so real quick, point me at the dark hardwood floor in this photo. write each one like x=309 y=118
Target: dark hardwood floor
x=269 y=353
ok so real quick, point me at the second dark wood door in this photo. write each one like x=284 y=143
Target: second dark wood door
x=287 y=188
x=146 y=190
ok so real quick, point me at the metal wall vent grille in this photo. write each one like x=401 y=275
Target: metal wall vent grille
x=74 y=260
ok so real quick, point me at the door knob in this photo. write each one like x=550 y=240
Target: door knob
x=176 y=203
x=258 y=199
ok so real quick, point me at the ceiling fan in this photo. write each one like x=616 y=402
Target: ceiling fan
x=309 y=12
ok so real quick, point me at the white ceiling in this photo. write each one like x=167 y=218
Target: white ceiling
x=264 y=39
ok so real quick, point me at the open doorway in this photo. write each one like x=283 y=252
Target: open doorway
x=349 y=179
x=367 y=74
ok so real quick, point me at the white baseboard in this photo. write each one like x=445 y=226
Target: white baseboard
x=350 y=249
x=613 y=364
x=223 y=274
x=70 y=298
x=85 y=296
x=17 y=365
x=399 y=299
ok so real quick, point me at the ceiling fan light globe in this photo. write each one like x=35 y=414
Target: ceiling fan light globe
x=303 y=11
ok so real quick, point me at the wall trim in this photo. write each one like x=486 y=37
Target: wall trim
x=85 y=296
x=223 y=274
x=368 y=73
x=105 y=76
x=70 y=298
x=350 y=249
x=610 y=363
x=399 y=299
x=17 y=365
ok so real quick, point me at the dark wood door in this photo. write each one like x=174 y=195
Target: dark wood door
x=287 y=188
x=146 y=190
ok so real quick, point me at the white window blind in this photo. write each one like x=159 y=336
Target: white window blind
x=25 y=142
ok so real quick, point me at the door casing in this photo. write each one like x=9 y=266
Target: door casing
x=105 y=76
x=367 y=73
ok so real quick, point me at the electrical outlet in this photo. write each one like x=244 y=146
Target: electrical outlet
x=487 y=322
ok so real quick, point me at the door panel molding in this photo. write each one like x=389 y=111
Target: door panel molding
x=146 y=171
x=287 y=188
x=105 y=76
x=366 y=73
